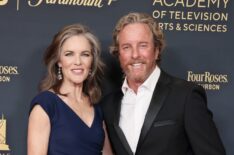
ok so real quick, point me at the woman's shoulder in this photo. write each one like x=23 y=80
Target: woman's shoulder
x=44 y=95
x=46 y=99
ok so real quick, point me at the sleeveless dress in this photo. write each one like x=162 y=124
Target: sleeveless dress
x=69 y=134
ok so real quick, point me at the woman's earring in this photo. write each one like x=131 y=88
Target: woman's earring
x=59 y=75
x=90 y=72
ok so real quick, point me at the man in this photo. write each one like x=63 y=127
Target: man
x=154 y=113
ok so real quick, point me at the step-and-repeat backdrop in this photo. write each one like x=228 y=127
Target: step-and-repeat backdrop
x=199 y=36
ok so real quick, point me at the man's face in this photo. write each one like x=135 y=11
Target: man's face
x=137 y=53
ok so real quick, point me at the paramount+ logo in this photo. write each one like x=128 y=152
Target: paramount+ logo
x=80 y=3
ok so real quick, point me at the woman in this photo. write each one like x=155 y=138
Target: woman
x=64 y=119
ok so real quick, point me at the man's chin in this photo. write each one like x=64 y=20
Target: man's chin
x=136 y=79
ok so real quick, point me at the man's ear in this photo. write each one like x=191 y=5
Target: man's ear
x=156 y=53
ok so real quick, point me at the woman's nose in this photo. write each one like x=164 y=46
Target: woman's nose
x=77 y=60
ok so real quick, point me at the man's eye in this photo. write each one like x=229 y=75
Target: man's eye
x=143 y=45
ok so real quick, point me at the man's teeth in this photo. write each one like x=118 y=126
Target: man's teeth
x=136 y=64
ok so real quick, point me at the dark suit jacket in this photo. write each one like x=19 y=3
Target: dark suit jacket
x=177 y=122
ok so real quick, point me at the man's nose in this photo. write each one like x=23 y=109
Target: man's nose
x=135 y=53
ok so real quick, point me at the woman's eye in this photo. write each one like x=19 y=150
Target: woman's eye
x=86 y=53
x=68 y=54
x=125 y=47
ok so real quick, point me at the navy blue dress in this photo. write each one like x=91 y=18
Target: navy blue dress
x=69 y=134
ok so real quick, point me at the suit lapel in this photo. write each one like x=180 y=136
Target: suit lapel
x=156 y=103
x=118 y=130
x=123 y=139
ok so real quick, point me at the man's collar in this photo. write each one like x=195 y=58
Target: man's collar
x=149 y=83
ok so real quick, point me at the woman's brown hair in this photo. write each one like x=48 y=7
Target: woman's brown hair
x=91 y=86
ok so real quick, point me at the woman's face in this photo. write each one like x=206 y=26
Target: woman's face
x=75 y=59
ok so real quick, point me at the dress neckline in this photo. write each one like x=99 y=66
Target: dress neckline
x=72 y=111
